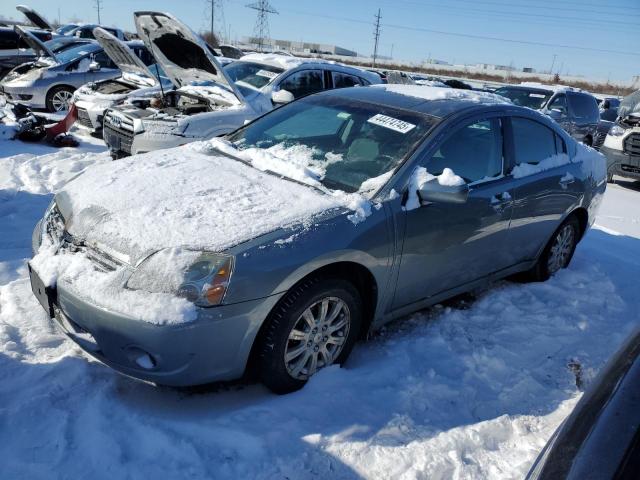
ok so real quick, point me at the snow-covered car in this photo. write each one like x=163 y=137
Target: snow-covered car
x=210 y=101
x=622 y=144
x=575 y=110
x=141 y=78
x=50 y=81
x=280 y=245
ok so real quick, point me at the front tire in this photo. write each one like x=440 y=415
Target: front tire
x=558 y=252
x=314 y=326
x=59 y=98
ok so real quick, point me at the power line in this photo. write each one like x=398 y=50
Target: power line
x=467 y=35
x=376 y=36
x=261 y=29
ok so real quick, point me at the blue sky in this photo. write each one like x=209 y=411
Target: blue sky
x=419 y=29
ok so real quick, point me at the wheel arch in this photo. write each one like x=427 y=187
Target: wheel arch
x=356 y=273
x=582 y=215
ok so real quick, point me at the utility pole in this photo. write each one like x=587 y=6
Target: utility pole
x=376 y=36
x=213 y=16
x=98 y=7
x=553 y=63
x=261 y=29
x=391 y=56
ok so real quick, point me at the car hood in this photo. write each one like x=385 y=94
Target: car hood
x=190 y=196
x=35 y=43
x=123 y=56
x=182 y=54
x=34 y=17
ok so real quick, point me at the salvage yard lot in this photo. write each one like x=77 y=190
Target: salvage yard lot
x=464 y=390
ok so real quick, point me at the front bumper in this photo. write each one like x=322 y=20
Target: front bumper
x=621 y=163
x=90 y=115
x=31 y=97
x=214 y=347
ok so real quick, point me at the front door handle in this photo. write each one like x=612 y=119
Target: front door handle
x=500 y=201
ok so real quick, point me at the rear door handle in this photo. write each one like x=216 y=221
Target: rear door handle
x=500 y=201
x=567 y=180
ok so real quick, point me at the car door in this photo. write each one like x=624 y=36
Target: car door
x=543 y=194
x=108 y=69
x=446 y=245
x=303 y=82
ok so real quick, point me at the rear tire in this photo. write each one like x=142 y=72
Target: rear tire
x=314 y=326
x=558 y=252
x=58 y=98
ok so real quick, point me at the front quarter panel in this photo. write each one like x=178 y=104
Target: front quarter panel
x=273 y=263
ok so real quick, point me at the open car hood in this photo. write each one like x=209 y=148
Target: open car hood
x=35 y=43
x=183 y=55
x=34 y=17
x=123 y=56
x=630 y=105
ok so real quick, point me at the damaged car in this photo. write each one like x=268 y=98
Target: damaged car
x=141 y=78
x=622 y=144
x=275 y=248
x=49 y=82
x=210 y=100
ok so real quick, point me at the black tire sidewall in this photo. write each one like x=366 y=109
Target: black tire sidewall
x=542 y=267
x=51 y=93
x=271 y=367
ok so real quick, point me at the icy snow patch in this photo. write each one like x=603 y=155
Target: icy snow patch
x=282 y=61
x=526 y=169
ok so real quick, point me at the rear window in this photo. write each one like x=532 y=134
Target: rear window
x=583 y=107
x=533 y=141
x=524 y=97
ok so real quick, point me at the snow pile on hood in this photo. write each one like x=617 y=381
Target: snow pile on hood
x=182 y=197
x=421 y=176
x=526 y=169
x=282 y=61
x=439 y=93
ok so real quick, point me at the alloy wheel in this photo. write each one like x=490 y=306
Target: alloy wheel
x=60 y=100
x=317 y=337
x=561 y=249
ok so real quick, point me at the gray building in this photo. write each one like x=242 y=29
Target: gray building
x=301 y=47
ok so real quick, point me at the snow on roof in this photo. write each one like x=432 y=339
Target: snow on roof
x=553 y=88
x=439 y=93
x=282 y=61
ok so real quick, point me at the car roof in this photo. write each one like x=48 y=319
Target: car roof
x=433 y=101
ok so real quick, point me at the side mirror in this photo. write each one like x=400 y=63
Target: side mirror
x=94 y=66
x=282 y=97
x=432 y=191
x=556 y=113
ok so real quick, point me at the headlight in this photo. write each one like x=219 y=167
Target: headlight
x=200 y=277
x=616 y=131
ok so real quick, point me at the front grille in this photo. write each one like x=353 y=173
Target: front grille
x=117 y=139
x=632 y=144
x=54 y=227
x=83 y=118
x=630 y=168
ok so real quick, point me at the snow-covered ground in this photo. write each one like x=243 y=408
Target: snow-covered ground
x=469 y=390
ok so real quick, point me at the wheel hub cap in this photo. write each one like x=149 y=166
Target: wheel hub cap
x=317 y=337
x=561 y=249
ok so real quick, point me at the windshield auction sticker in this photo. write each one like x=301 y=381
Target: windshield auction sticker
x=391 y=123
x=266 y=73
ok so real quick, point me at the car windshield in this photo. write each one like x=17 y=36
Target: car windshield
x=74 y=53
x=630 y=104
x=334 y=142
x=63 y=43
x=252 y=75
x=526 y=98
x=65 y=29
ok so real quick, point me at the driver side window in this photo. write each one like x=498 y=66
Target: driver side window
x=473 y=152
x=303 y=83
x=104 y=60
x=559 y=103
